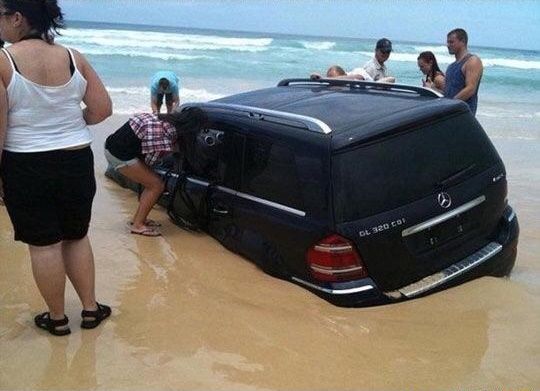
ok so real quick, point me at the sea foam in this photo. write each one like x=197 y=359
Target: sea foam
x=131 y=100
x=116 y=39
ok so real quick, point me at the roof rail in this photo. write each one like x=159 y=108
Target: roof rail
x=361 y=84
x=280 y=117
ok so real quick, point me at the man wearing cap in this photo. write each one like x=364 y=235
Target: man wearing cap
x=462 y=76
x=164 y=84
x=375 y=67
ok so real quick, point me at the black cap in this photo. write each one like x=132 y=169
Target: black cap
x=384 y=45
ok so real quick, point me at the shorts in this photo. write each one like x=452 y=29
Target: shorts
x=116 y=163
x=168 y=99
x=48 y=195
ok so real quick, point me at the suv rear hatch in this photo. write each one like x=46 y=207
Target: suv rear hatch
x=418 y=200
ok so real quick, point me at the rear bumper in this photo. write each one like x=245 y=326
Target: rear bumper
x=497 y=258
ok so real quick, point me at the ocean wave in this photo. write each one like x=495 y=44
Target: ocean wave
x=319 y=45
x=509 y=63
x=448 y=59
x=136 y=53
x=130 y=100
x=435 y=49
x=174 y=41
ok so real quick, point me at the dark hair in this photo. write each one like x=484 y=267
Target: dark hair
x=164 y=82
x=190 y=119
x=460 y=34
x=44 y=16
x=430 y=57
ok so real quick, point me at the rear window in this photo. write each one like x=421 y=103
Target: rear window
x=395 y=171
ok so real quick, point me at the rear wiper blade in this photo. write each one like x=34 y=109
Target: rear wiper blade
x=447 y=182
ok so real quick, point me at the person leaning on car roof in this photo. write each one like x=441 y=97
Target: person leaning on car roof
x=374 y=69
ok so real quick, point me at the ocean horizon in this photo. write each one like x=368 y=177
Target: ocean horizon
x=215 y=63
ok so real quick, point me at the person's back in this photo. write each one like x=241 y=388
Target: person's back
x=46 y=82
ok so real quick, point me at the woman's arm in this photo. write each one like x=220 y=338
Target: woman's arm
x=3 y=127
x=3 y=113
x=97 y=100
x=439 y=82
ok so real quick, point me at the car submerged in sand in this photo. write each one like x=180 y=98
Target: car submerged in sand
x=364 y=193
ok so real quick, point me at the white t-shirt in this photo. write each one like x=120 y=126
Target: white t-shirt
x=375 y=70
x=362 y=72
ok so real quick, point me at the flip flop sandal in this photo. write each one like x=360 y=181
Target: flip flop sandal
x=148 y=223
x=92 y=319
x=147 y=231
x=53 y=326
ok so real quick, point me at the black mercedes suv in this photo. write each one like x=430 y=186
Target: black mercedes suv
x=364 y=193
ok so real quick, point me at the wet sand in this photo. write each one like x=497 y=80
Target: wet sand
x=189 y=314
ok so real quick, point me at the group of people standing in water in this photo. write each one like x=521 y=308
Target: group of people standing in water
x=461 y=80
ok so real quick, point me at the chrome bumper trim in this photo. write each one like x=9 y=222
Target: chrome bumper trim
x=430 y=282
x=335 y=291
x=442 y=218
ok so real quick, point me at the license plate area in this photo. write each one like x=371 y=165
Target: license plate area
x=440 y=234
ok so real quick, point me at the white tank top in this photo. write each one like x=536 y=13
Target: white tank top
x=45 y=118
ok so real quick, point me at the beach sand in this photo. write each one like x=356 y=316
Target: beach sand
x=189 y=314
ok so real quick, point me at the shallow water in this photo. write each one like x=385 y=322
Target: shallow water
x=188 y=314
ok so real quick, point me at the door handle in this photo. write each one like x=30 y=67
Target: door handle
x=220 y=211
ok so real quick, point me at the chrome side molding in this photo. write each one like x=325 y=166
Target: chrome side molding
x=227 y=190
x=442 y=218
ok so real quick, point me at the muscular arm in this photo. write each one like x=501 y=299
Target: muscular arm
x=473 y=72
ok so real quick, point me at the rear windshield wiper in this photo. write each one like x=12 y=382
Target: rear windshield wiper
x=455 y=177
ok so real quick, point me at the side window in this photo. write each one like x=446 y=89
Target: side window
x=270 y=172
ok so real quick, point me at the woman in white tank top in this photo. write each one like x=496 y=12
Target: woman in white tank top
x=46 y=165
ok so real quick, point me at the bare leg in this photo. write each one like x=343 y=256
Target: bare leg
x=79 y=265
x=153 y=188
x=50 y=276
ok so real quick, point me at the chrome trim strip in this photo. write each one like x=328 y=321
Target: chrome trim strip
x=442 y=218
x=198 y=182
x=451 y=272
x=335 y=271
x=311 y=123
x=263 y=201
x=245 y=196
x=335 y=291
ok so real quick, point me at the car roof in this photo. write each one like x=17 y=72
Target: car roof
x=354 y=112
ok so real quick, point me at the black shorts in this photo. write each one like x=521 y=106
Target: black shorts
x=168 y=99
x=48 y=195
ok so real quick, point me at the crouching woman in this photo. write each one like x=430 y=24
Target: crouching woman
x=136 y=146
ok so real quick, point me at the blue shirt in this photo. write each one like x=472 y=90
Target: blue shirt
x=173 y=83
x=455 y=82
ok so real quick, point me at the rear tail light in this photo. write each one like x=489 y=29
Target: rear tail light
x=335 y=259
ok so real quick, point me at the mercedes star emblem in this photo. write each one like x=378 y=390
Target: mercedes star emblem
x=444 y=200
